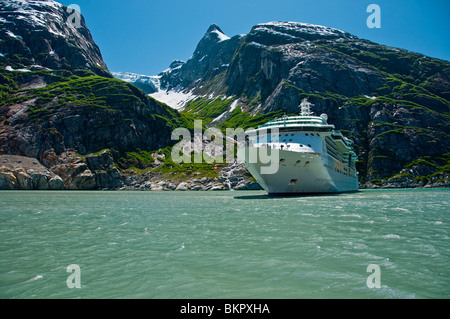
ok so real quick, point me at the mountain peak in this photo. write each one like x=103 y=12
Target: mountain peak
x=214 y=27
x=215 y=32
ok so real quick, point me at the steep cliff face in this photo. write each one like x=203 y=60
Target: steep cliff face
x=393 y=103
x=86 y=114
x=275 y=53
x=60 y=105
x=46 y=34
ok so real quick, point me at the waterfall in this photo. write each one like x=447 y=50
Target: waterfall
x=227 y=174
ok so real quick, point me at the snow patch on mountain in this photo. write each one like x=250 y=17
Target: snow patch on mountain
x=12 y=35
x=133 y=77
x=298 y=30
x=225 y=114
x=174 y=98
x=34 y=12
x=174 y=66
x=215 y=31
x=43 y=14
x=147 y=83
x=303 y=27
x=222 y=36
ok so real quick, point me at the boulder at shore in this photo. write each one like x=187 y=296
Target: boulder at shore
x=19 y=172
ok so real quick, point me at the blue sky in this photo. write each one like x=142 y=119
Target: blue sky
x=145 y=36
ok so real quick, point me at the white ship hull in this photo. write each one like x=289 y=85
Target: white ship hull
x=301 y=173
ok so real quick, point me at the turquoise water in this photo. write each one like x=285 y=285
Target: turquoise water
x=224 y=244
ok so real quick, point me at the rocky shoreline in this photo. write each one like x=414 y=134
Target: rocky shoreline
x=408 y=184
x=97 y=172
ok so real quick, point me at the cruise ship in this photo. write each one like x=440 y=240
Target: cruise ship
x=313 y=157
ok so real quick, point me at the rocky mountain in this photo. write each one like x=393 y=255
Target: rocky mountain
x=60 y=106
x=44 y=34
x=66 y=123
x=393 y=103
x=202 y=73
x=212 y=55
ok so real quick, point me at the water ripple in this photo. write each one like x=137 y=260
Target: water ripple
x=224 y=244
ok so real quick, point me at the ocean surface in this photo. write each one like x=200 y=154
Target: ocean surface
x=241 y=244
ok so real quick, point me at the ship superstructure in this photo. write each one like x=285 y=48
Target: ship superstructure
x=313 y=156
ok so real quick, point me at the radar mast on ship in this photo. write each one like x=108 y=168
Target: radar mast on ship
x=305 y=108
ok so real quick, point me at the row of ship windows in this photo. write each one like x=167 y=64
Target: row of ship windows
x=307 y=134
x=298 y=162
x=337 y=169
x=301 y=145
x=286 y=135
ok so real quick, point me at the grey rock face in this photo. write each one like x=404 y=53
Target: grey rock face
x=18 y=172
x=106 y=175
x=48 y=34
x=279 y=56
